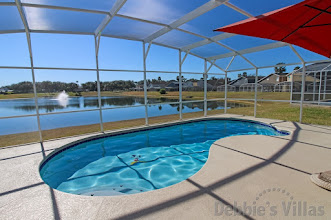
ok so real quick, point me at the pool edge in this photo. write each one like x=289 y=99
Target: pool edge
x=146 y=128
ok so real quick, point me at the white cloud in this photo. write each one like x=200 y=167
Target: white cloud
x=155 y=10
x=37 y=18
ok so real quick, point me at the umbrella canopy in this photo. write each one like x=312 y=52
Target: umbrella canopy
x=307 y=24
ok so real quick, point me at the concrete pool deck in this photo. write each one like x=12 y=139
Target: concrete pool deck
x=242 y=173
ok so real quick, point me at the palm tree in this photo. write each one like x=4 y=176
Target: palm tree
x=183 y=79
x=280 y=69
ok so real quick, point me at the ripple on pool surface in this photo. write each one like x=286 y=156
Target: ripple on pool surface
x=157 y=167
x=140 y=161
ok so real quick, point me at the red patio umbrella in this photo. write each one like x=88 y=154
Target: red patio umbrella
x=306 y=24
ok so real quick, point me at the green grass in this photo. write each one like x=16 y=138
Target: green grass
x=31 y=95
x=214 y=95
x=186 y=95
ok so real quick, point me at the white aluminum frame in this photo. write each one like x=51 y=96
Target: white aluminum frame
x=97 y=46
x=27 y=31
x=181 y=83
x=145 y=54
x=226 y=85
x=166 y=28
x=255 y=92
x=303 y=81
x=186 y=18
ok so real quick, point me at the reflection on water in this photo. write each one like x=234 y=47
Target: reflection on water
x=47 y=105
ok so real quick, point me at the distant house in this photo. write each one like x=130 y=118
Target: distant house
x=138 y=87
x=312 y=72
x=215 y=84
x=297 y=77
x=187 y=85
x=238 y=82
x=318 y=67
x=172 y=86
x=5 y=90
x=199 y=85
x=156 y=86
x=271 y=80
x=241 y=81
x=195 y=85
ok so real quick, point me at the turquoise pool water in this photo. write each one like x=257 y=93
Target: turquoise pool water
x=141 y=161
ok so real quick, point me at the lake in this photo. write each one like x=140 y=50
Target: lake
x=18 y=107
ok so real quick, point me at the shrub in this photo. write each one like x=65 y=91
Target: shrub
x=163 y=91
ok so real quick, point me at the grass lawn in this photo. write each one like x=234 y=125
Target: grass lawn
x=187 y=95
x=30 y=95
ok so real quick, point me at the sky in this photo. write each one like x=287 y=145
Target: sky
x=78 y=51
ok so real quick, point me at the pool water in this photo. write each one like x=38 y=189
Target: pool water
x=141 y=161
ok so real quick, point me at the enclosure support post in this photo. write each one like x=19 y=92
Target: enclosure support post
x=325 y=78
x=180 y=86
x=226 y=92
x=145 y=83
x=319 y=88
x=303 y=79
x=292 y=79
x=255 y=93
x=27 y=32
x=97 y=44
x=36 y=99
x=226 y=85
x=314 y=87
x=205 y=89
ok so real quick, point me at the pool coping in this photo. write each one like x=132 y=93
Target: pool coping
x=146 y=128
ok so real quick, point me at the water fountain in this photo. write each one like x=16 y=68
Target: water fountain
x=63 y=99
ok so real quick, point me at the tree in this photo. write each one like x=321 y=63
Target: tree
x=280 y=69
x=296 y=68
x=71 y=87
x=22 y=87
x=183 y=79
x=89 y=86
x=244 y=74
x=163 y=91
x=159 y=78
x=53 y=87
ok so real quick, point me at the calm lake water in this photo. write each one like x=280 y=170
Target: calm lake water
x=17 y=107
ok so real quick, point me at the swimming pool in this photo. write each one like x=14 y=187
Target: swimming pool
x=143 y=160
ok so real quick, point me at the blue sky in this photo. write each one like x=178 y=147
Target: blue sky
x=63 y=50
